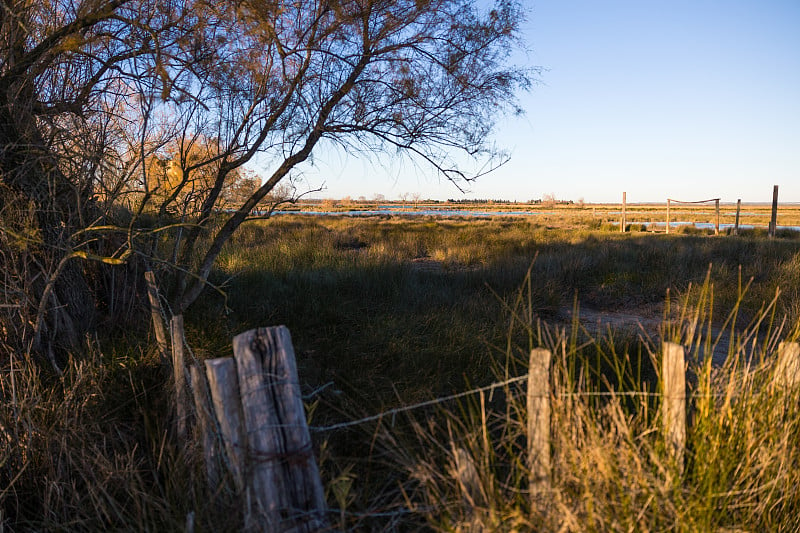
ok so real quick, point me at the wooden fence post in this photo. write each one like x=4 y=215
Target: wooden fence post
x=773 y=223
x=623 y=222
x=179 y=375
x=716 y=224
x=283 y=476
x=205 y=424
x=668 y=206
x=156 y=314
x=538 y=401
x=738 y=211
x=674 y=400
x=224 y=386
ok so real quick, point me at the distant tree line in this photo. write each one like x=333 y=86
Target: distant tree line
x=478 y=201
x=546 y=201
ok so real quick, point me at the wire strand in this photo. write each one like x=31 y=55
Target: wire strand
x=492 y=387
x=428 y=403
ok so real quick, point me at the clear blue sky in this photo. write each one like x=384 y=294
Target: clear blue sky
x=684 y=99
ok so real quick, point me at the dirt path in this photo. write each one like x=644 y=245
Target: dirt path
x=644 y=321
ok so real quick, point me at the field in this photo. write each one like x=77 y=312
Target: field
x=386 y=312
x=654 y=214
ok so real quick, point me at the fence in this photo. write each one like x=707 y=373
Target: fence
x=716 y=210
x=249 y=413
x=772 y=226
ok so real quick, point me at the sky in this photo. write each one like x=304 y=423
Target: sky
x=687 y=100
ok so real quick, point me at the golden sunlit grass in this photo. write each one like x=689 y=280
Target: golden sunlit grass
x=611 y=469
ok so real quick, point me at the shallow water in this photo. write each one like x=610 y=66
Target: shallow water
x=399 y=211
x=482 y=213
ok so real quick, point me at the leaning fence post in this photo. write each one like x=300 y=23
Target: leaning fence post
x=156 y=314
x=283 y=476
x=539 y=422
x=205 y=425
x=179 y=375
x=224 y=386
x=738 y=211
x=716 y=223
x=674 y=400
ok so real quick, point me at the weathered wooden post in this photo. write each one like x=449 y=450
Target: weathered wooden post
x=156 y=314
x=538 y=401
x=283 y=473
x=205 y=424
x=716 y=224
x=668 y=206
x=179 y=375
x=674 y=400
x=773 y=223
x=224 y=386
x=623 y=221
x=738 y=211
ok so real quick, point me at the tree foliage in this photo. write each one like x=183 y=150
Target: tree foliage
x=126 y=125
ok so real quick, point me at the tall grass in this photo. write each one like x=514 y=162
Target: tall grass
x=385 y=313
x=612 y=471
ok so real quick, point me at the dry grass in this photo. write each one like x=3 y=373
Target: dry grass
x=611 y=468
x=93 y=450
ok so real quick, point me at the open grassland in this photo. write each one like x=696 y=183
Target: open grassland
x=397 y=284
x=385 y=312
x=654 y=214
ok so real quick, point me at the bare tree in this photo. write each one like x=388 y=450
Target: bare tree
x=172 y=99
x=64 y=67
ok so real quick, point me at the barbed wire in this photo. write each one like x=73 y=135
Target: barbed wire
x=392 y=413
x=692 y=202
x=429 y=403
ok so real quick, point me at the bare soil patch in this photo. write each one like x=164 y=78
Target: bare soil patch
x=643 y=319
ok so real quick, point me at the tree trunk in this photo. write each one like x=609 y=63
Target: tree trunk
x=50 y=213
